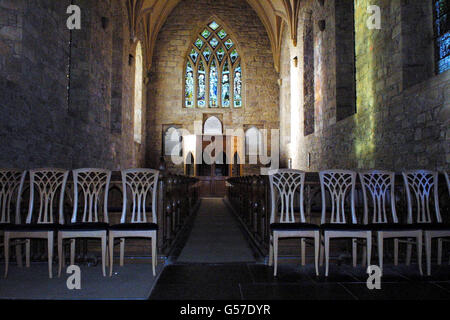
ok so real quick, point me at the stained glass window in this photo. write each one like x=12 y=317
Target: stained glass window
x=138 y=94
x=442 y=29
x=189 y=90
x=213 y=74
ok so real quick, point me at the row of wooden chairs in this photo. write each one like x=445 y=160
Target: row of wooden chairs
x=380 y=219
x=45 y=218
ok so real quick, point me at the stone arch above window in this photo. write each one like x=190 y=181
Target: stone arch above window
x=212 y=126
x=213 y=73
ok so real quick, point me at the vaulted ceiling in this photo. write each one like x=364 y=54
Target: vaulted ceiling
x=150 y=15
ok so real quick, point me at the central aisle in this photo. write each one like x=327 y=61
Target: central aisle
x=215 y=236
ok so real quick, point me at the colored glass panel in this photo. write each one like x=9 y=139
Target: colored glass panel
x=207 y=53
x=237 y=86
x=189 y=90
x=222 y=34
x=220 y=54
x=226 y=85
x=213 y=83
x=199 y=43
x=213 y=25
x=214 y=42
x=201 y=89
x=194 y=55
x=234 y=55
x=229 y=44
x=206 y=34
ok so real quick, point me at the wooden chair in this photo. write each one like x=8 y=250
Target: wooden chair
x=88 y=186
x=11 y=186
x=285 y=184
x=378 y=192
x=340 y=183
x=47 y=182
x=421 y=188
x=142 y=184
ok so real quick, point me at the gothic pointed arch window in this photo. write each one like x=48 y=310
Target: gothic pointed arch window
x=213 y=72
x=138 y=94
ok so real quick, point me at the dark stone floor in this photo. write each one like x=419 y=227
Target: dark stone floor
x=256 y=282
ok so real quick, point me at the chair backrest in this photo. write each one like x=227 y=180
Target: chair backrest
x=338 y=183
x=448 y=181
x=88 y=185
x=421 y=187
x=11 y=182
x=141 y=183
x=378 y=187
x=284 y=185
x=47 y=182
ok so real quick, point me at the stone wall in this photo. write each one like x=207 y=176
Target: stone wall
x=40 y=125
x=165 y=99
x=401 y=121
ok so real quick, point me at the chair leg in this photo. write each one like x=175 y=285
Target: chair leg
x=303 y=245
x=50 y=253
x=6 y=247
x=122 y=250
x=354 y=252
x=103 y=254
x=271 y=251
x=419 y=252
x=327 y=253
x=60 y=253
x=27 y=252
x=395 y=252
x=322 y=252
x=72 y=251
x=439 y=253
x=316 y=251
x=111 y=254
x=428 y=251
x=380 y=250
x=364 y=257
x=275 y=254
x=408 y=252
x=369 y=247
x=19 y=254
x=154 y=257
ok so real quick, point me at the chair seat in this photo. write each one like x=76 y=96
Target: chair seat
x=393 y=227
x=134 y=226
x=293 y=226
x=33 y=227
x=86 y=226
x=433 y=226
x=344 y=227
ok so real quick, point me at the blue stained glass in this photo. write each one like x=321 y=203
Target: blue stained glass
x=222 y=34
x=213 y=82
x=189 y=90
x=214 y=42
x=199 y=43
x=207 y=53
x=220 y=54
x=201 y=92
x=226 y=85
x=234 y=55
x=229 y=44
x=237 y=86
x=206 y=34
x=194 y=55
x=213 y=25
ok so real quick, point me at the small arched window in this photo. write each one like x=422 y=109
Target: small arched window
x=138 y=95
x=212 y=126
x=213 y=74
x=253 y=142
x=172 y=142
